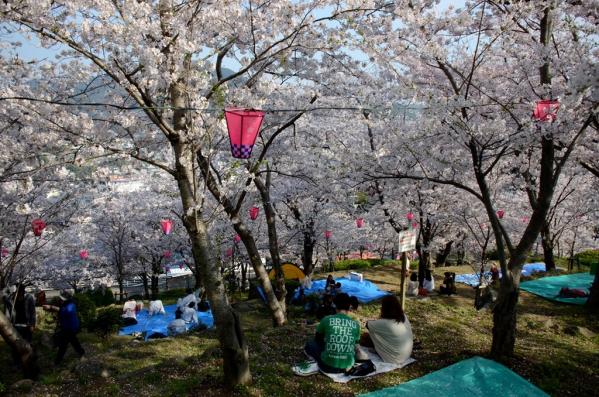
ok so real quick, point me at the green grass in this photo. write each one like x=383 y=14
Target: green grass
x=449 y=328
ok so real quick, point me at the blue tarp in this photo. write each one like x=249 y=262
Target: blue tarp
x=472 y=279
x=549 y=287
x=365 y=291
x=157 y=324
x=475 y=377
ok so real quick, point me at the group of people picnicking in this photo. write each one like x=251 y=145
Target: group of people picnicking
x=186 y=314
x=339 y=343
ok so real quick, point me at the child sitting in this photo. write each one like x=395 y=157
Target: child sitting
x=448 y=286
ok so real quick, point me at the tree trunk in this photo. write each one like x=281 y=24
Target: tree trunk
x=504 y=321
x=244 y=275
x=273 y=243
x=308 y=249
x=593 y=301
x=144 y=279
x=20 y=347
x=154 y=286
x=547 y=244
x=236 y=367
x=442 y=256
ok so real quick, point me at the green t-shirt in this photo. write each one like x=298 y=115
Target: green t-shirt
x=341 y=333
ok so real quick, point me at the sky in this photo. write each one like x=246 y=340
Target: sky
x=31 y=49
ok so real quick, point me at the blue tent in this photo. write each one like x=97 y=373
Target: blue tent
x=158 y=323
x=474 y=377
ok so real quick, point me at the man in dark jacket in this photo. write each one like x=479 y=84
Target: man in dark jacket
x=23 y=313
x=68 y=325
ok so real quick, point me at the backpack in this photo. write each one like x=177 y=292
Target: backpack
x=363 y=369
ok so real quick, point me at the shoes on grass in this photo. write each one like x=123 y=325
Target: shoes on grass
x=305 y=368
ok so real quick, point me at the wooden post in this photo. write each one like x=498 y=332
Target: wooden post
x=402 y=285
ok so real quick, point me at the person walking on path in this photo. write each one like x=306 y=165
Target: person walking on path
x=68 y=325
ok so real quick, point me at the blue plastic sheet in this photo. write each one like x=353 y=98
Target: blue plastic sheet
x=475 y=377
x=365 y=291
x=549 y=287
x=158 y=323
x=472 y=279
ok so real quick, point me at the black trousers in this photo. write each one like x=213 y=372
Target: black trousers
x=25 y=333
x=63 y=338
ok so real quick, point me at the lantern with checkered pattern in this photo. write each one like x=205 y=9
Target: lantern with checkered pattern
x=243 y=126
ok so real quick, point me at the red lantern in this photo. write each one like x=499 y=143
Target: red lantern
x=83 y=254
x=500 y=214
x=4 y=252
x=254 y=211
x=410 y=216
x=546 y=110
x=414 y=225
x=38 y=226
x=167 y=254
x=167 y=226
x=243 y=126
x=328 y=234
x=360 y=222
x=229 y=252
x=237 y=238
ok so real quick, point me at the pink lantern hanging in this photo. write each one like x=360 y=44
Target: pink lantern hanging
x=500 y=214
x=243 y=126
x=410 y=216
x=229 y=252
x=4 y=252
x=167 y=226
x=254 y=211
x=414 y=225
x=328 y=234
x=38 y=226
x=83 y=254
x=360 y=222
x=167 y=254
x=237 y=238
x=524 y=219
x=546 y=110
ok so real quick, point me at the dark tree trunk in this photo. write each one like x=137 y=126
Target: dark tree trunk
x=593 y=301
x=504 y=322
x=244 y=275
x=273 y=243
x=547 y=244
x=308 y=254
x=442 y=256
x=154 y=286
x=20 y=347
x=144 y=279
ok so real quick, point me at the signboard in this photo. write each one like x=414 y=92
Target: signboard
x=407 y=241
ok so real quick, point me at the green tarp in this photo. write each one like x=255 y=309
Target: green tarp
x=474 y=377
x=549 y=287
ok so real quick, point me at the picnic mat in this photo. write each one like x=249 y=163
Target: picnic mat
x=473 y=279
x=159 y=322
x=474 y=377
x=549 y=287
x=381 y=367
x=365 y=291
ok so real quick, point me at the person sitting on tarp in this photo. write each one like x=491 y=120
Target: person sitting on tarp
x=130 y=310
x=326 y=308
x=486 y=295
x=429 y=282
x=334 y=345
x=177 y=326
x=391 y=335
x=156 y=307
x=448 y=287
x=189 y=314
x=566 y=292
x=412 y=289
x=329 y=285
x=189 y=298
